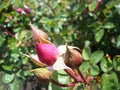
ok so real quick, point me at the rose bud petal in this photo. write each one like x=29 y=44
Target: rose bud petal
x=26 y=9
x=39 y=35
x=72 y=57
x=62 y=49
x=35 y=60
x=47 y=53
x=60 y=64
x=43 y=74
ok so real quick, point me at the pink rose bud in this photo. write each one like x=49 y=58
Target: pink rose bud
x=47 y=53
x=20 y=11
x=26 y=9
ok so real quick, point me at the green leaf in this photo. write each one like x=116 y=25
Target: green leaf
x=118 y=85
x=7 y=78
x=14 y=85
x=96 y=26
x=61 y=77
x=20 y=74
x=27 y=73
x=2 y=39
x=86 y=53
x=78 y=86
x=118 y=42
x=58 y=39
x=82 y=8
x=110 y=4
x=109 y=81
x=24 y=60
x=118 y=8
x=44 y=20
x=54 y=87
x=94 y=70
x=116 y=63
x=7 y=67
x=106 y=64
x=85 y=66
x=92 y=5
x=99 y=35
x=94 y=86
x=109 y=25
x=86 y=88
x=87 y=43
x=96 y=56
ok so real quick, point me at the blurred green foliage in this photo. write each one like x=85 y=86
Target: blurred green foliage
x=96 y=33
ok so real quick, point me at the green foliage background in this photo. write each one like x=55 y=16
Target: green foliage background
x=96 y=33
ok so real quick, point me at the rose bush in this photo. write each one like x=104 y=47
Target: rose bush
x=89 y=27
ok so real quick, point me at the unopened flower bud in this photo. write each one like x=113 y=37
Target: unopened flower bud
x=43 y=74
x=39 y=35
x=20 y=11
x=73 y=58
x=47 y=53
x=26 y=9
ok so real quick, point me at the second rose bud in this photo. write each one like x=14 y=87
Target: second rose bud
x=72 y=58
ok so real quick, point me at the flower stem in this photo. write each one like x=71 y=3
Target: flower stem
x=80 y=73
x=74 y=76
